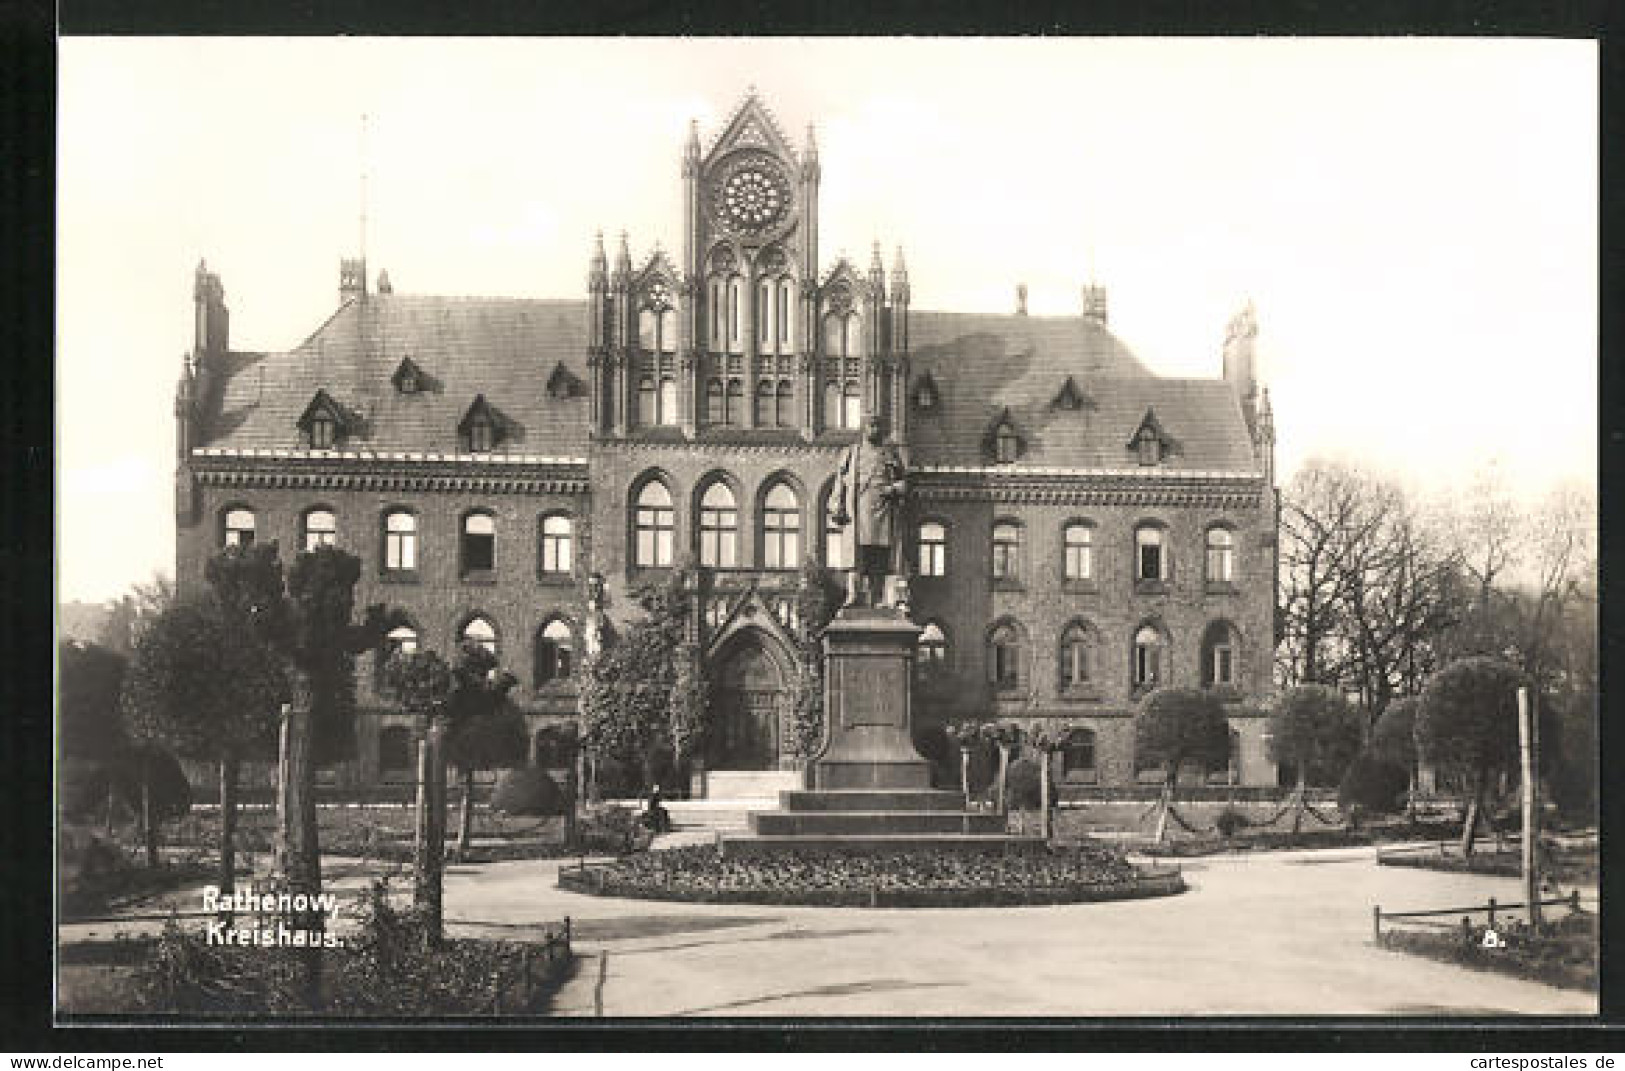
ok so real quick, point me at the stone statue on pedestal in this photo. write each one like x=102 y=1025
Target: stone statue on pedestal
x=870 y=494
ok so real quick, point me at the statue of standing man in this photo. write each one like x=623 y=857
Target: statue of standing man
x=871 y=491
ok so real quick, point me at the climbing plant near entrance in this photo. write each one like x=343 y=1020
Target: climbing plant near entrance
x=816 y=603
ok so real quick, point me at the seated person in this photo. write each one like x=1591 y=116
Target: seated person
x=655 y=817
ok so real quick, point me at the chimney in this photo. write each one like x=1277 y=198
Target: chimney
x=1094 y=304
x=1021 y=299
x=352 y=279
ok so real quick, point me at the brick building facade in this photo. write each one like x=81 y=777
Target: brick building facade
x=1079 y=532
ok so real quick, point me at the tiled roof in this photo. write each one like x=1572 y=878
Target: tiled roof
x=510 y=349
x=507 y=349
x=985 y=364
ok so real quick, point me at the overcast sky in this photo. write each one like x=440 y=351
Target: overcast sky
x=1414 y=220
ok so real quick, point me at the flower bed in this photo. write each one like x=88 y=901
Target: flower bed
x=1563 y=954
x=1568 y=865
x=921 y=877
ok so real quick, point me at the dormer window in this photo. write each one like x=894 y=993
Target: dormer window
x=1150 y=443
x=479 y=436
x=409 y=378
x=926 y=399
x=1005 y=445
x=480 y=427
x=1150 y=449
x=321 y=433
x=409 y=382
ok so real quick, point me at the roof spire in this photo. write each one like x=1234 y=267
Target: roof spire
x=812 y=143
x=691 y=148
x=598 y=266
x=899 y=276
x=877 y=271
x=623 y=260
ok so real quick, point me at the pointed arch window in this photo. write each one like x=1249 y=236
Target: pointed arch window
x=401 y=640
x=734 y=414
x=653 y=523
x=479 y=632
x=558 y=545
x=784 y=405
x=715 y=410
x=1077 y=656
x=764 y=404
x=719 y=527
x=781 y=528
x=1004 y=657
x=321 y=529
x=1221 y=556
x=851 y=406
x=648 y=402
x=649 y=329
x=933 y=549
x=719 y=315
x=555 y=653
x=400 y=541
x=736 y=312
x=1147 y=669
x=832 y=404
x=786 y=314
x=835 y=335
x=238 y=527
x=668 y=401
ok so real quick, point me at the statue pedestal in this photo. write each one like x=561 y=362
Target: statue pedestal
x=868 y=665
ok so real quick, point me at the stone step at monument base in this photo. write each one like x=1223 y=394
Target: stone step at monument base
x=728 y=816
x=751 y=784
x=868 y=799
x=872 y=842
x=864 y=823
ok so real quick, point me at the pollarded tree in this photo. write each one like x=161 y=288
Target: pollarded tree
x=202 y=683
x=1468 y=720
x=1317 y=731
x=484 y=732
x=1393 y=737
x=1176 y=726
x=420 y=682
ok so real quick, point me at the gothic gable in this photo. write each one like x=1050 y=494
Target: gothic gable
x=1150 y=441
x=751 y=127
x=1070 y=397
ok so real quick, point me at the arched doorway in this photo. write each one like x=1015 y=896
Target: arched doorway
x=748 y=691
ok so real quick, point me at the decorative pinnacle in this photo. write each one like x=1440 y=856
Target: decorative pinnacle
x=899 y=269
x=692 y=148
x=812 y=142
x=623 y=256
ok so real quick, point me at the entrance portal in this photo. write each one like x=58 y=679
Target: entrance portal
x=747 y=698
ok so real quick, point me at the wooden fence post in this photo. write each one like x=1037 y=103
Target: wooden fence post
x=1492 y=912
x=1376 y=923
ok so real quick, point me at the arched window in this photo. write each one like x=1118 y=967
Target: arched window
x=735 y=414
x=481 y=633
x=668 y=331
x=786 y=318
x=1078 y=755
x=555 y=653
x=648 y=326
x=402 y=640
x=835 y=335
x=715 y=411
x=653 y=523
x=933 y=553
x=719 y=527
x=764 y=404
x=668 y=401
x=1150 y=554
x=851 y=407
x=648 y=414
x=1004 y=657
x=400 y=541
x=1218 y=655
x=321 y=529
x=719 y=315
x=395 y=753
x=736 y=312
x=1148 y=656
x=1006 y=551
x=932 y=657
x=781 y=528
x=1080 y=552
x=837 y=537
x=239 y=527
x=852 y=345
x=1221 y=556
x=1077 y=656
x=784 y=414
x=558 y=544
x=478 y=550
x=765 y=334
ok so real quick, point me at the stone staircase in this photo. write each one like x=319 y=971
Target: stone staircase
x=874 y=819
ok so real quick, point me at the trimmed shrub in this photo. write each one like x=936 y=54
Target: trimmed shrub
x=528 y=792
x=1374 y=785
x=1022 y=783
x=1230 y=821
